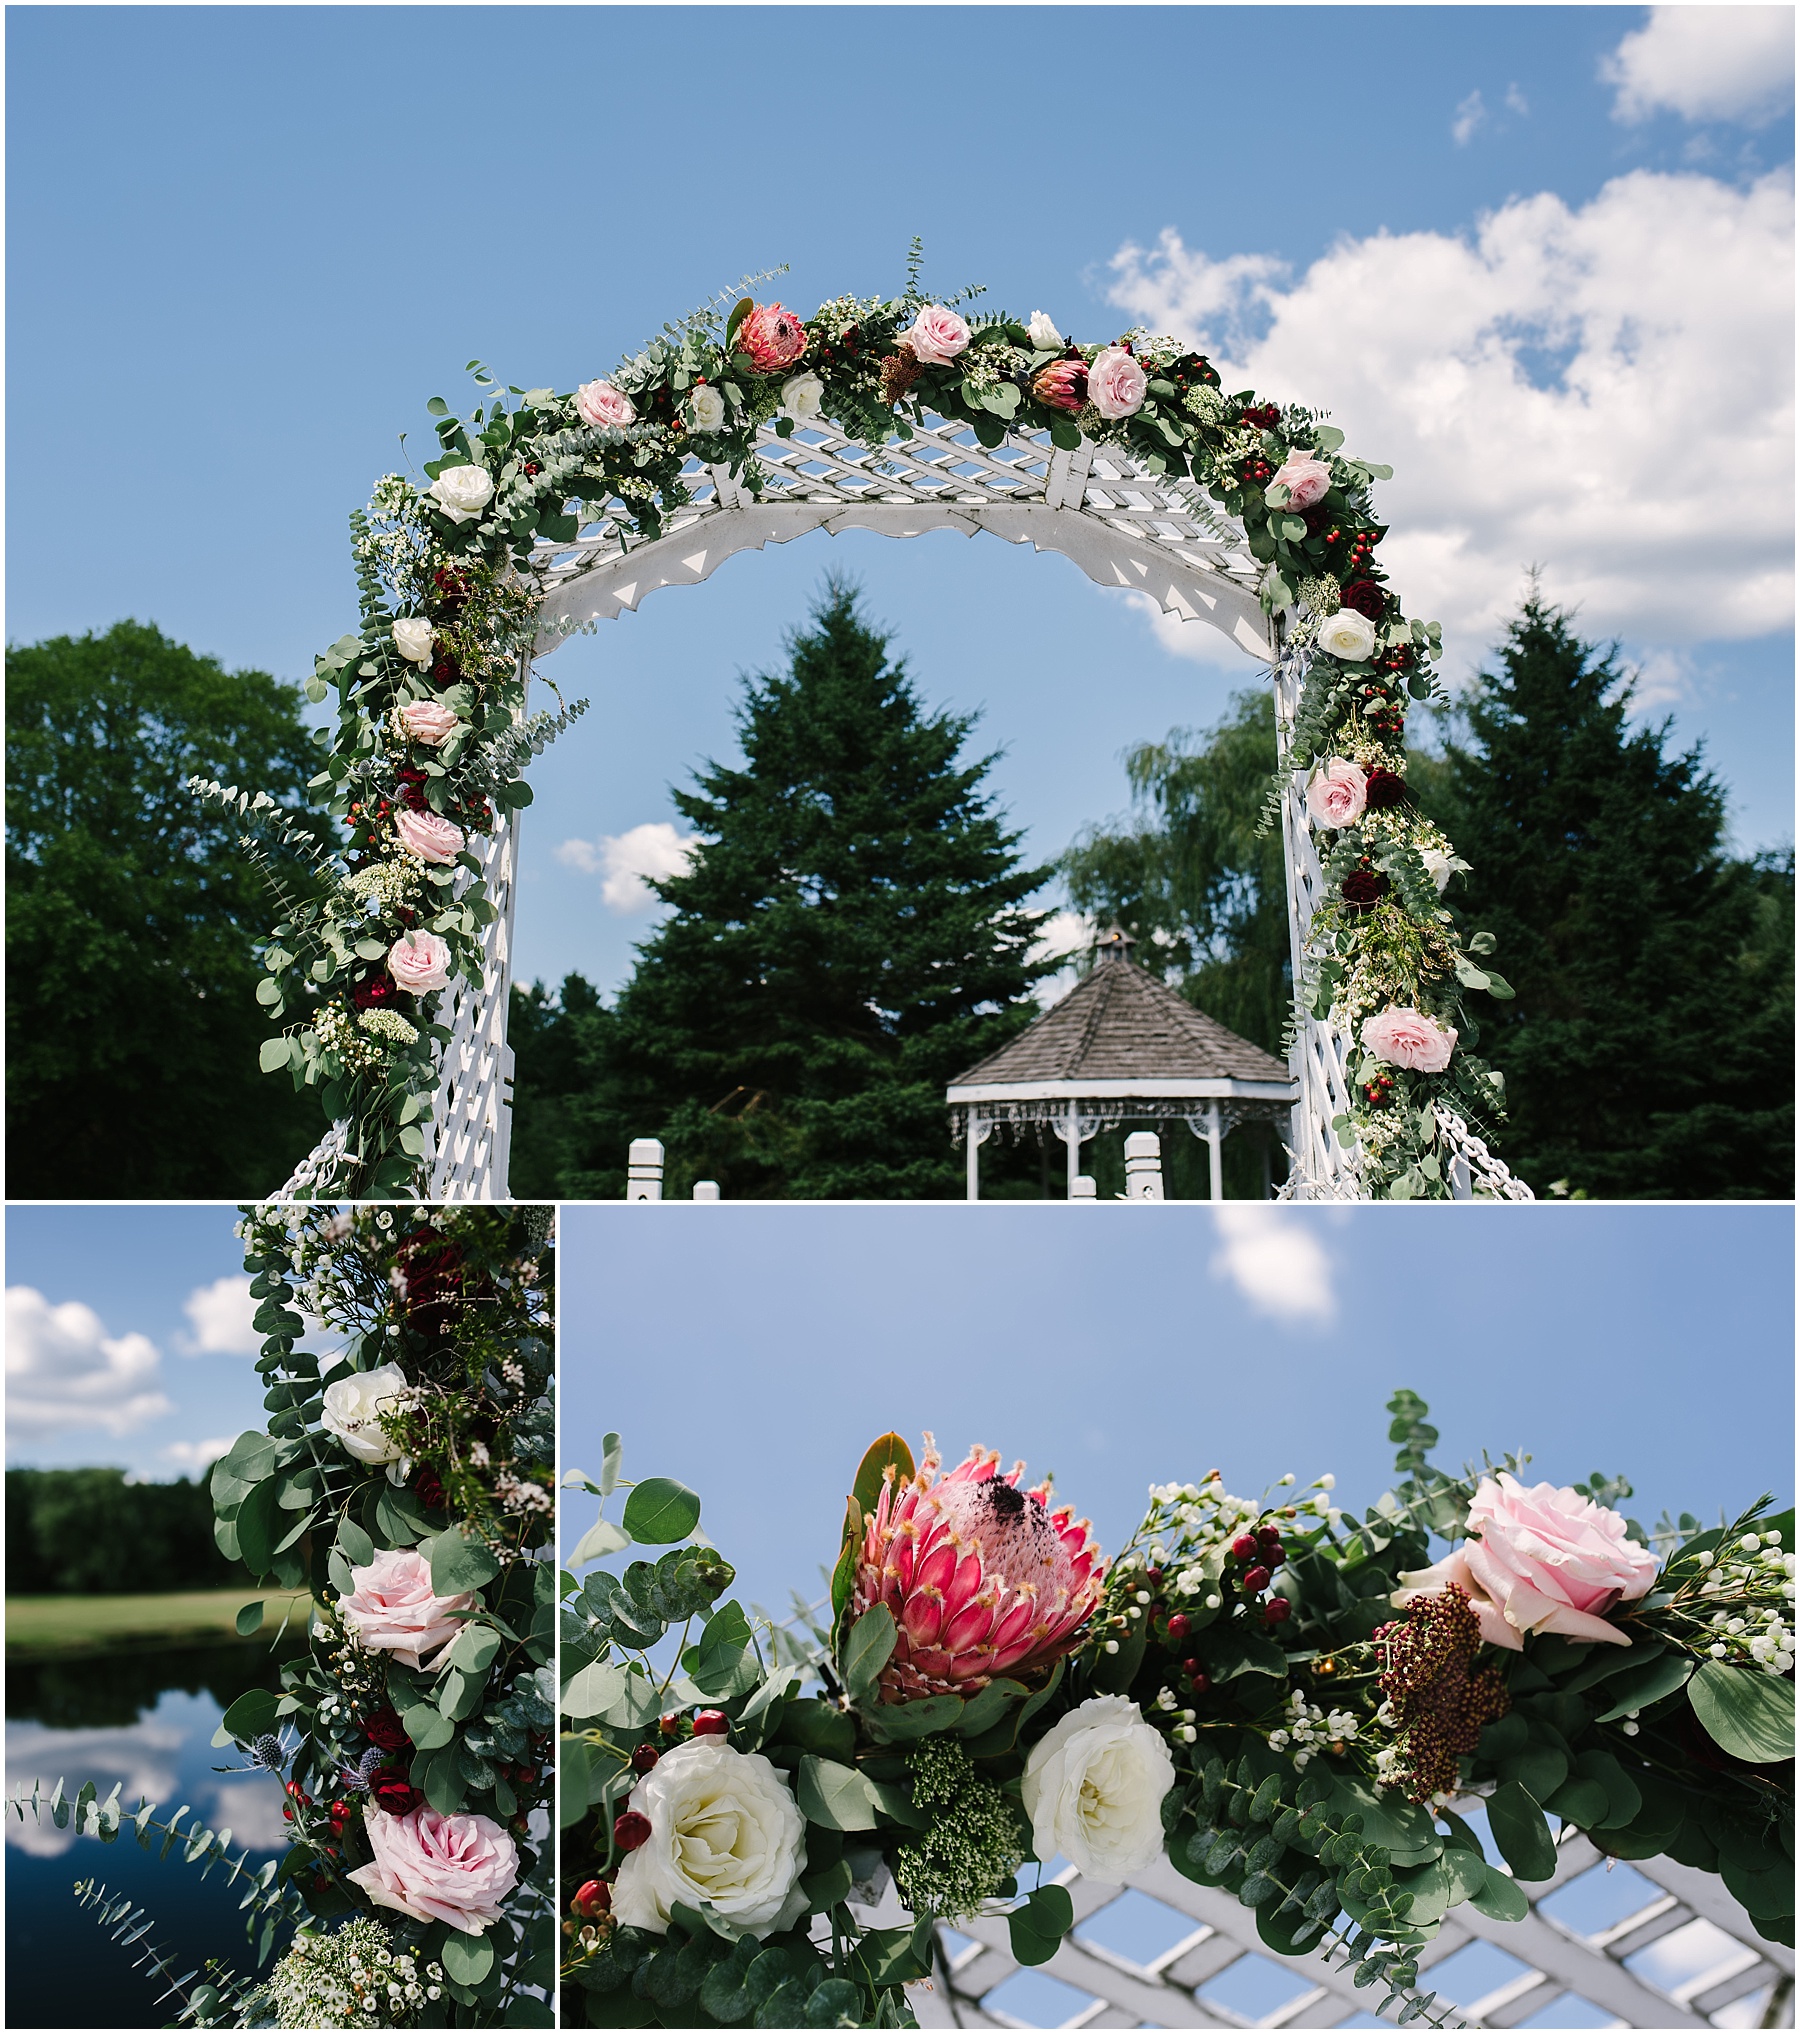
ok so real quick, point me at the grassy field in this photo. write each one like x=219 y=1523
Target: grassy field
x=73 y=1624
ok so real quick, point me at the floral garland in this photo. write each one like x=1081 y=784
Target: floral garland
x=430 y=741
x=408 y=1482
x=1280 y=1697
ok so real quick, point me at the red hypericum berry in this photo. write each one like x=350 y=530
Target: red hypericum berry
x=712 y=1723
x=1154 y=1577
x=644 y=1758
x=287 y=1815
x=526 y=1776
x=1269 y=1535
x=1277 y=1610
x=293 y=1788
x=1257 y=1579
x=593 y=1898
x=1179 y=1627
x=632 y=1830
x=669 y=1725
x=340 y=1811
x=1199 y=1683
x=1244 y=1547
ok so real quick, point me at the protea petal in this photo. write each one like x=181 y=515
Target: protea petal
x=982 y=1577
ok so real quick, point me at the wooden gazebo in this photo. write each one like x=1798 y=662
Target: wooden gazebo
x=1121 y=1046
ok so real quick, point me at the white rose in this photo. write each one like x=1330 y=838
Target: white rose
x=462 y=492
x=1349 y=635
x=1438 y=866
x=1044 y=335
x=706 y=408
x=1093 y=1790
x=351 y=1405
x=803 y=397
x=724 y=1829
x=412 y=638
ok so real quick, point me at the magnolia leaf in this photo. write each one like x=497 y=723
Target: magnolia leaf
x=661 y=1511
x=1748 y=1714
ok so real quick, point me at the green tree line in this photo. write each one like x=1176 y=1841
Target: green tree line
x=88 y=1532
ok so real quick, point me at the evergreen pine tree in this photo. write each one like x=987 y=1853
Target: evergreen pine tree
x=848 y=937
x=1650 y=1049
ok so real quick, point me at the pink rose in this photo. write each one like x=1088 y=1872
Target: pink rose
x=1116 y=383
x=1546 y=1560
x=772 y=336
x=451 y=1868
x=935 y=336
x=1338 y=794
x=1409 y=1038
x=605 y=407
x=432 y=839
x=428 y=722
x=419 y=961
x=392 y=1609
x=1305 y=479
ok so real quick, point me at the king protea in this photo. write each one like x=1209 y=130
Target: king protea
x=982 y=1578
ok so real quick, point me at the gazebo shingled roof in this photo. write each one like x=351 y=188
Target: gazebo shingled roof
x=1120 y=1045
x=1120 y=1023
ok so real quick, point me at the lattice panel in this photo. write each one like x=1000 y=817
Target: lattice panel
x=1121 y=524
x=470 y=1135
x=1680 y=1953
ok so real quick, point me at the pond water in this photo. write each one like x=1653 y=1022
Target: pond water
x=144 y=1717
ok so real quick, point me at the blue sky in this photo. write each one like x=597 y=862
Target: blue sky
x=128 y=1338
x=755 y=1357
x=245 y=245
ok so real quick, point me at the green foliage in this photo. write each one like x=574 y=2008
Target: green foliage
x=89 y=1532
x=849 y=937
x=1196 y=880
x=133 y=911
x=1649 y=1051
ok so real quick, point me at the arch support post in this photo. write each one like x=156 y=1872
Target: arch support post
x=979 y=1130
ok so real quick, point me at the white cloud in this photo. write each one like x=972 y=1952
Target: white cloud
x=64 y=1370
x=1469 y=116
x=251 y=1810
x=221 y=1314
x=1275 y=1260
x=1200 y=642
x=1066 y=935
x=1604 y=390
x=144 y=1756
x=198 y=1455
x=625 y=859
x=1516 y=102
x=1705 y=63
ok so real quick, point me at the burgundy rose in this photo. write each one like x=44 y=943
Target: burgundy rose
x=1364 y=888
x=1384 y=787
x=375 y=992
x=385 y=1731
x=1366 y=597
x=1265 y=416
x=428 y=1490
x=394 y=1794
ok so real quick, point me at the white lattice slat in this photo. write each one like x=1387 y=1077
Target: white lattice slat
x=1170 y=1989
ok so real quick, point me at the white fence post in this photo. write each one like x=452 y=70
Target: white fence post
x=706 y=1189
x=644 y=1170
x=1143 y=1166
x=1083 y=1188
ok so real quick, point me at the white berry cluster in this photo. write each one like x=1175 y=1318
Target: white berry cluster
x=1756 y=1574
x=1310 y=1730
x=1190 y=1527
x=350 y=1978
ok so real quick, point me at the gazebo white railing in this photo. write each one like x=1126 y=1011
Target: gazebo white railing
x=1677 y=1951
x=1127 y=528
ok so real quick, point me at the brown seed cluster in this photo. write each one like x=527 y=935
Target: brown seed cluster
x=1439 y=1698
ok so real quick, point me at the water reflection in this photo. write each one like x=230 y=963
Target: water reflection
x=145 y=1718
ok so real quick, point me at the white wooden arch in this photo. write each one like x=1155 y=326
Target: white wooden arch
x=1679 y=1951
x=1124 y=526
